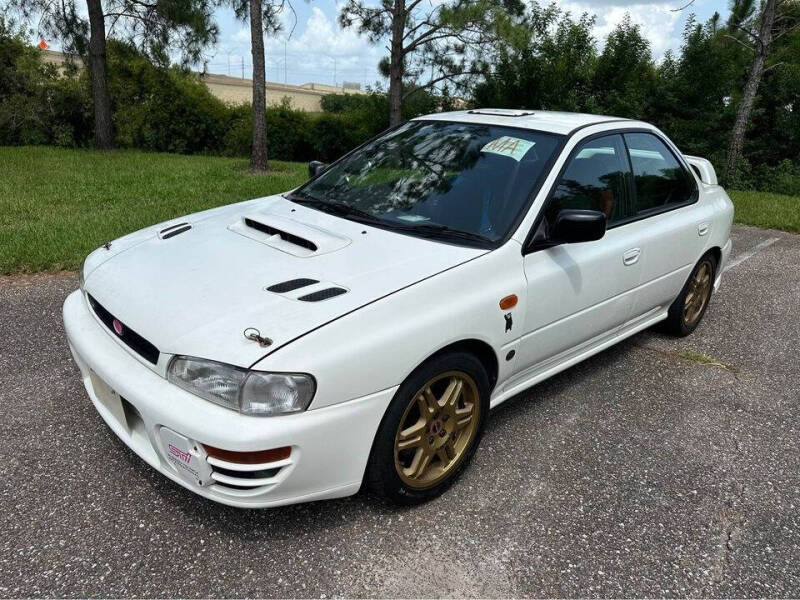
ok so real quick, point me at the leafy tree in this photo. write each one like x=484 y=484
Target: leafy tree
x=624 y=76
x=691 y=98
x=548 y=64
x=774 y=134
x=155 y=26
x=429 y=43
x=741 y=21
x=37 y=105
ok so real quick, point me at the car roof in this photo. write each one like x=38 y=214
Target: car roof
x=539 y=120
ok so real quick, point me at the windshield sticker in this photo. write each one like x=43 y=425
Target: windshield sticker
x=509 y=146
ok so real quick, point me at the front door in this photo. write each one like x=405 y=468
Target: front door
x=580 y=292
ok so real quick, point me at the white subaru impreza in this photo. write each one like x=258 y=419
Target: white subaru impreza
x=356 y=331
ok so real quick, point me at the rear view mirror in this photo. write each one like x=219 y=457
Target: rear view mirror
x=315 y=167
x=573 y=226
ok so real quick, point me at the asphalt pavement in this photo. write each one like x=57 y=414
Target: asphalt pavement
x=660 y=467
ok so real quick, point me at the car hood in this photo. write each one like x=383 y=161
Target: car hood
x=196 y=292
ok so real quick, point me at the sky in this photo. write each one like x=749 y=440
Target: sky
x=313 y=48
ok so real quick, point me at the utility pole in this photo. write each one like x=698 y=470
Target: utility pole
x=334 y=72
x=242 y=67
x=285 y=79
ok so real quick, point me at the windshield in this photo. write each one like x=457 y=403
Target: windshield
x=464 y=181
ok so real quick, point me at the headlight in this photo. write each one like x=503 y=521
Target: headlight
x=255 y=393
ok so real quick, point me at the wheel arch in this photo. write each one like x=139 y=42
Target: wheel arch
x=478 y=348
x=716 y=252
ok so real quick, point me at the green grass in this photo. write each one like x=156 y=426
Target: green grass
x=704 y=359
x=763 y=209
x=57 y=205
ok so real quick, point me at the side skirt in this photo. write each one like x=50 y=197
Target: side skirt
x=550 y=368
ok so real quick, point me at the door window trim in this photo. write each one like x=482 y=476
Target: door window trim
x=527 y=247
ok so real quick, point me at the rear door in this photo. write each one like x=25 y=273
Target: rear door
x=672 y=225
x=580 y=292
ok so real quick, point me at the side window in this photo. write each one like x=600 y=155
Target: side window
x=659 y=179
x=593 y=180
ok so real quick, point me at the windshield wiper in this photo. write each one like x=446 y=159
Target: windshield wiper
x=336 y=208
x=427 y=230
x=436 y=230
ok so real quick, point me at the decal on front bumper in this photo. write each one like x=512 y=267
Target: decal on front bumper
x=186 y=457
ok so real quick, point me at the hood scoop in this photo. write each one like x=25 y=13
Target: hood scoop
x=288 y=235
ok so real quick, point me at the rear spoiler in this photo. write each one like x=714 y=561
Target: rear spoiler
x=703 y=169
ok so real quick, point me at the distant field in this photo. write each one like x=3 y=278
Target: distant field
x=57 y=205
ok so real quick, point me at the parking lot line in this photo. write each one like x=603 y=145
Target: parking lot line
x=749 y=253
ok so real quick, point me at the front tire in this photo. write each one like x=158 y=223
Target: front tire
x=688 y=309
x=430 y=430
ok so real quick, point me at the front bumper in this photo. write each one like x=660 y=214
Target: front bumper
x=330 y=446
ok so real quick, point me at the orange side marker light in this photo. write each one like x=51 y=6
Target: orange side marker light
x=508 y=302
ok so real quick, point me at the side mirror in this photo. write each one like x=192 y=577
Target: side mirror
x=574 y=226
x=315 y=167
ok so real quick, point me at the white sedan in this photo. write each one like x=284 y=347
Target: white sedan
x=356 y=331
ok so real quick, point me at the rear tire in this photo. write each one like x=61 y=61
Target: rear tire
x=430 y=430
x=688 y=309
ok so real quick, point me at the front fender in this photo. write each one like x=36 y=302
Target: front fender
x=377 y=346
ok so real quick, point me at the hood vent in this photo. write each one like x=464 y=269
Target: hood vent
x=297 y=238
x=325 y=294
x=284 y=235
x=291 y=285
x=173 y=230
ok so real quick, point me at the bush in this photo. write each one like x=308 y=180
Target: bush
x=37 y=105
x=162 y=109
x=784 y=178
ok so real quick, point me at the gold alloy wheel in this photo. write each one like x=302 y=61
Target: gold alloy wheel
x=698 y=294
x=437 y=429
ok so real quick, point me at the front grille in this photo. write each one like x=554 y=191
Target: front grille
x=129 y=337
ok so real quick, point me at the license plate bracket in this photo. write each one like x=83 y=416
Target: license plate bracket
x=186 y=456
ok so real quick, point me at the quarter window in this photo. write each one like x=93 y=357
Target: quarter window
x=659 y=179
x=593 y=180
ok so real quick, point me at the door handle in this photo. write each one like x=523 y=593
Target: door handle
x=702 y=229
x=630 y=257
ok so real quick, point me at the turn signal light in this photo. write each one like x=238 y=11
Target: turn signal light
x=249 y=458
x=508 y=302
